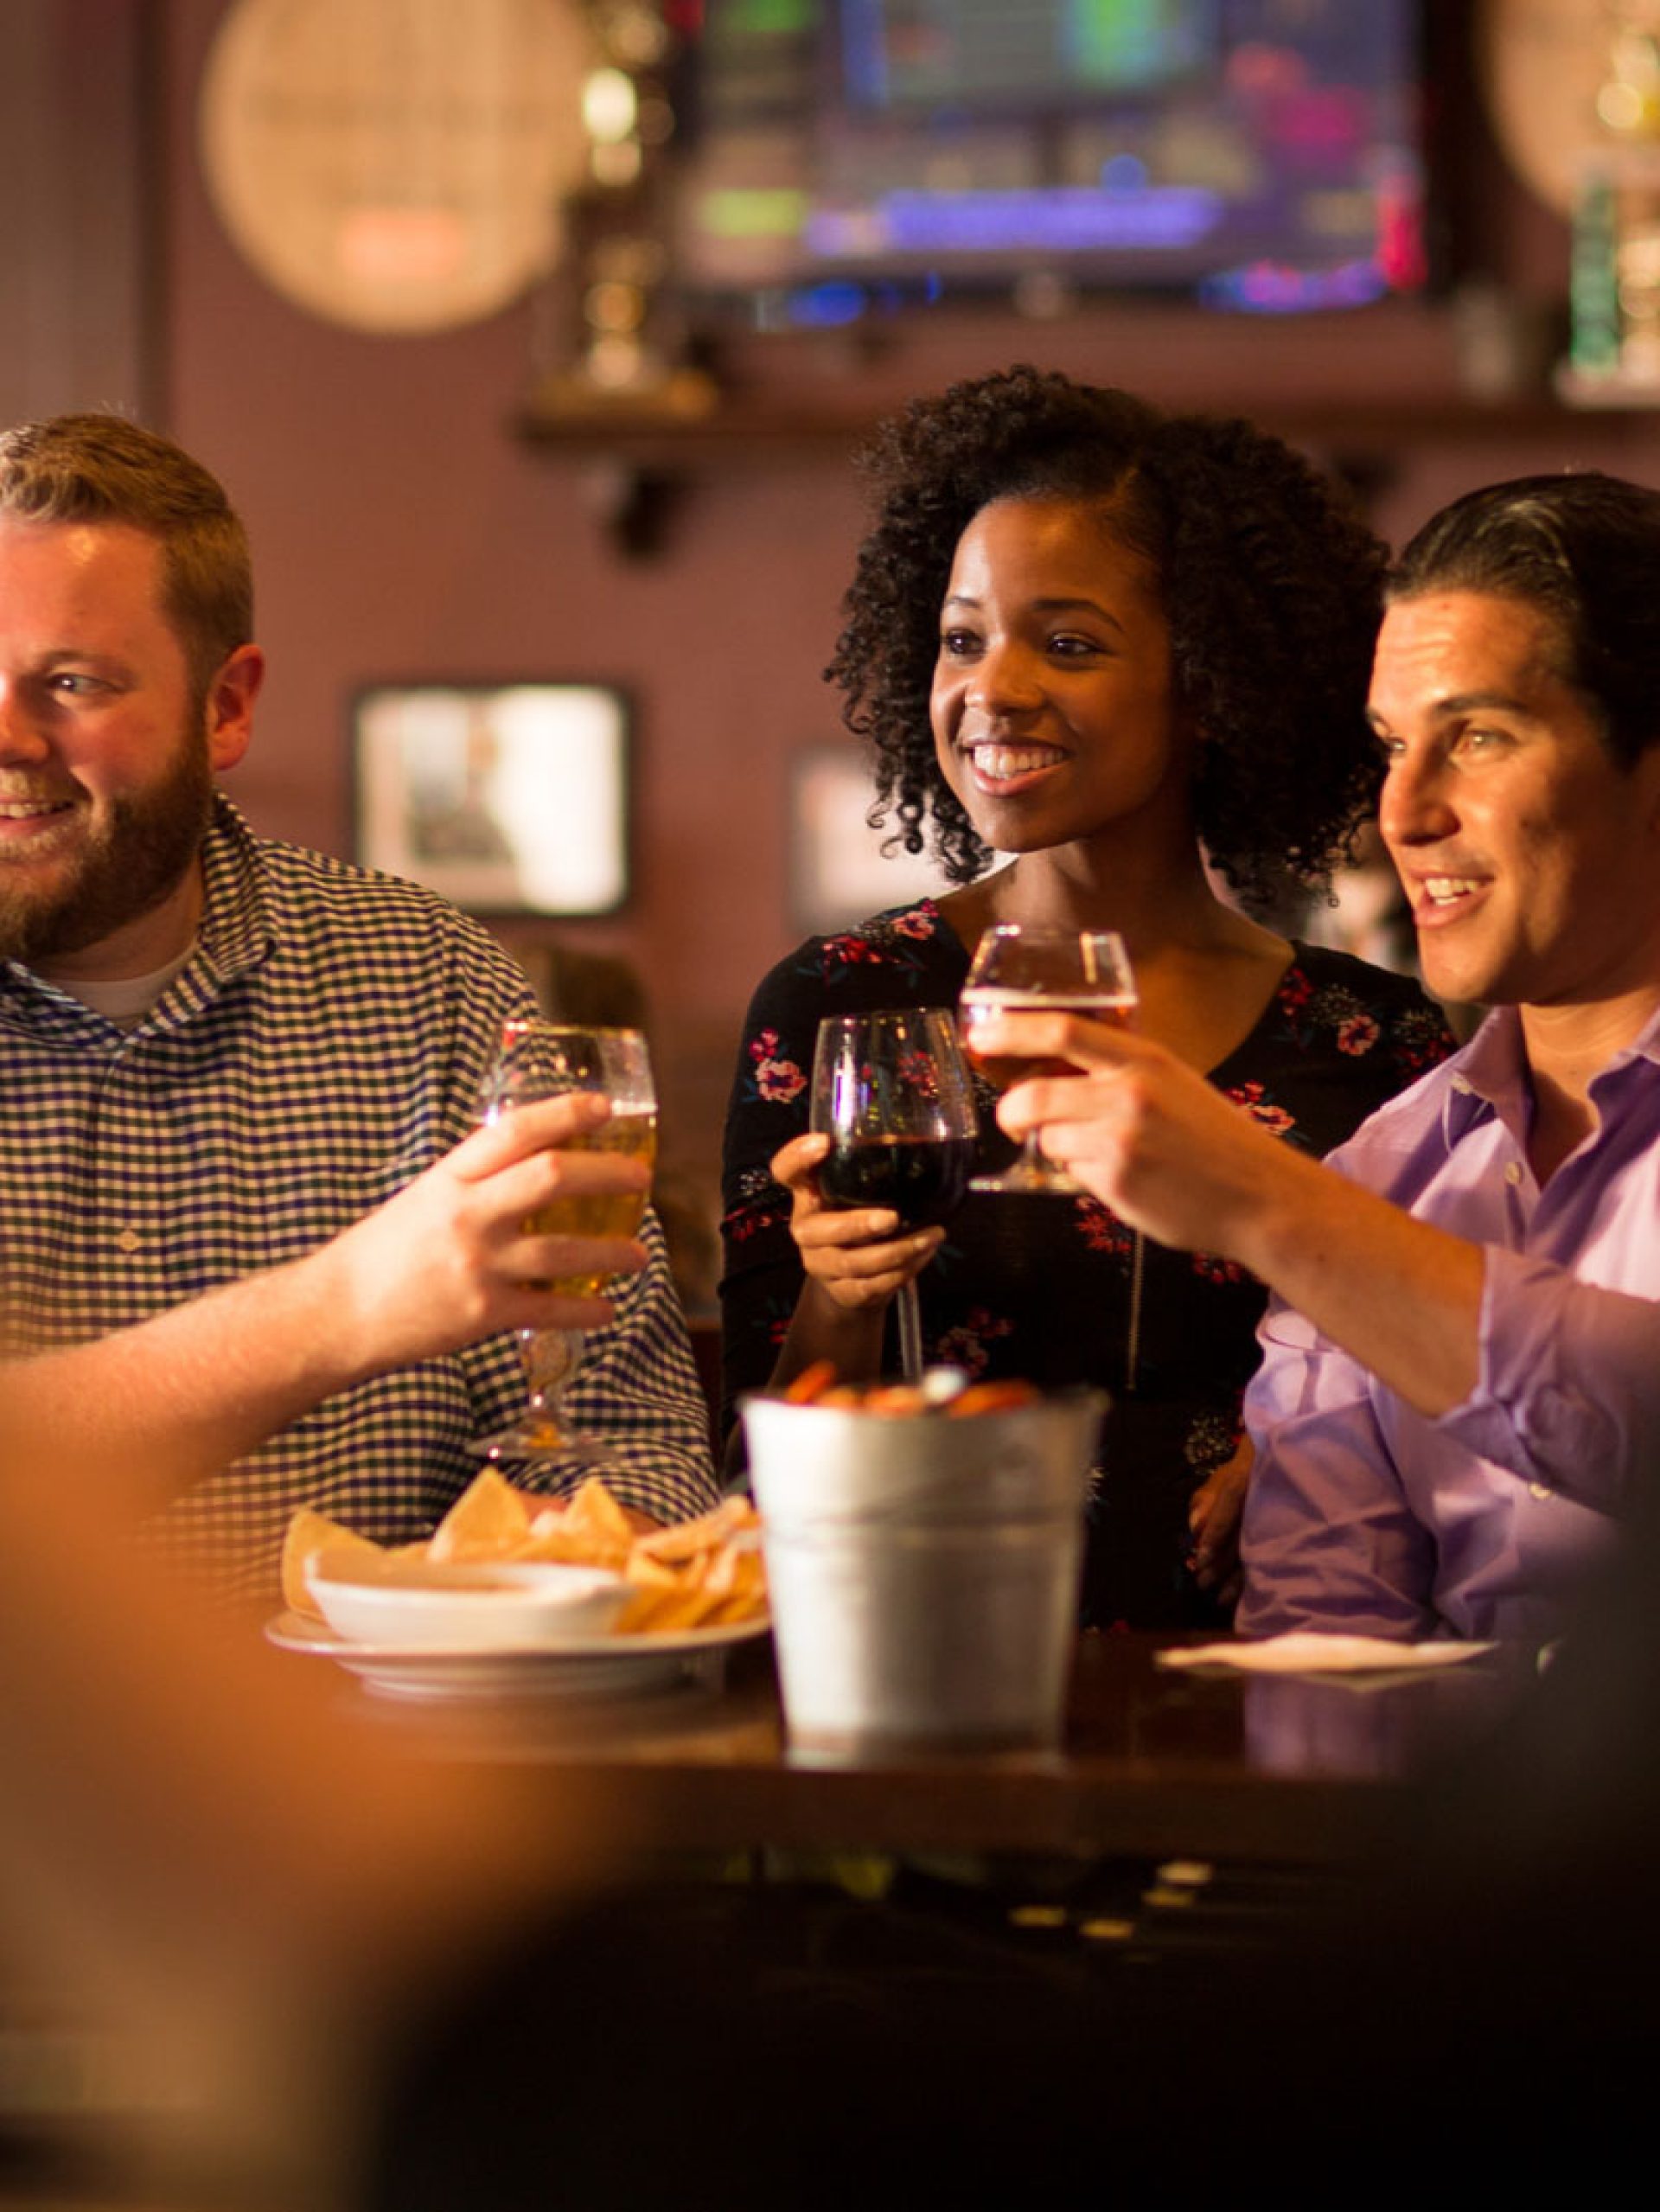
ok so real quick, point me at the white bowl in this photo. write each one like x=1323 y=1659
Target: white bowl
x=462 y=1606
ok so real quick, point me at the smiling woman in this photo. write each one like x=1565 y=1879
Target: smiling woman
x=1110 y=645
x=1051 y=704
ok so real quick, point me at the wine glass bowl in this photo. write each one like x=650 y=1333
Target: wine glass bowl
x=1021 y=969
x=892 y=1093
x=539 y=1059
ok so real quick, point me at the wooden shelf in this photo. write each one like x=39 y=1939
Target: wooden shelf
x=735 y=433
x=1368 y=395
x=741 y=430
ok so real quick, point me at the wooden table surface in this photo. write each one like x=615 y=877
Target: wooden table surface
x=1155 y=1760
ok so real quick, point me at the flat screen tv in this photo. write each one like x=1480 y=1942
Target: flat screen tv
x=839 y=156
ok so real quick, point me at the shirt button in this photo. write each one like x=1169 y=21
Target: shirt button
x=1461 y=1084
x=1539 y=1490
x=128 y=1240
x=1513 y=1170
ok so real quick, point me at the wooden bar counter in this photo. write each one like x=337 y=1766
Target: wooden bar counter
x=1154 y=1761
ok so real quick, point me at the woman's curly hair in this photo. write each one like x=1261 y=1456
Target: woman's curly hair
x=1273 y=593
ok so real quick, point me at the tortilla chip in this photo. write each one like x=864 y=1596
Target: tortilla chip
x=738 y=1581
x=662 y=1612
x=646 y=1573
x=593 y=1511
x=656 y=1590
x=688 y=1575
x=489 y=1520
x=309 y=1533
x=685 y=1539
x=728 y=1585
x=654 y=1593
x=552 y=1537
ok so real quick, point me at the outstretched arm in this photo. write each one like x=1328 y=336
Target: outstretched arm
x=1177 y=1160
x=1515 y=1358
x=445 y=1261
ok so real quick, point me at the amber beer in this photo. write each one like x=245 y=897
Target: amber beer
x=631 y=1133
x=1004 y=1070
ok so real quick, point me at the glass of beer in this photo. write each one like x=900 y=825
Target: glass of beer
x=544 y=1059
x=892 y=1093
x=1016 y=969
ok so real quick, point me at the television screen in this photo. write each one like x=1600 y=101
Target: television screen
x=843 y=154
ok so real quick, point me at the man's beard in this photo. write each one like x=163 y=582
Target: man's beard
x=127 y=867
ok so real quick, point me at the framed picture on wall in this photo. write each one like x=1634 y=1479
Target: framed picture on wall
x=838 y=873
x=509 y=799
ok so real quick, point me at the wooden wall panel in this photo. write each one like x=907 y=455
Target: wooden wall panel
x=76 y=272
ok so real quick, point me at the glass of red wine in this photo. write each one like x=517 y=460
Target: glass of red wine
x=1016 y=969
x=891 y=1092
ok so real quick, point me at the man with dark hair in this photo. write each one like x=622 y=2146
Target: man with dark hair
x=217 y=1052
x=1578 y=549
x=1459 y=1395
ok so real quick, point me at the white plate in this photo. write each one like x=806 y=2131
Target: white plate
x=577 y=1667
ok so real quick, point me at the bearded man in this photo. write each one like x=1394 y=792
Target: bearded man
x=218 y=1051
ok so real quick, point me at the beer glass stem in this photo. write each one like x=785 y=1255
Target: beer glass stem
x=910 y=1334
x=550 y=1358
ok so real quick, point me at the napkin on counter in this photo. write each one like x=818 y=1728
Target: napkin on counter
x=1304 y=1652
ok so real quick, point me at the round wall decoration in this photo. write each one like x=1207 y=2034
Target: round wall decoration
x=1543 y=64
x=395 y=165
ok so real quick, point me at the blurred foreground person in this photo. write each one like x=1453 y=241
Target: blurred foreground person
x=197 y=1856
x=367 y=1977
x=217 y=1051
x=197 y=1851
x=1459 y=1400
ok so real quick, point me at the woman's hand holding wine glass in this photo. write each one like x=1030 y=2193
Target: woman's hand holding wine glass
x=886 y=1162
x=858 y=1256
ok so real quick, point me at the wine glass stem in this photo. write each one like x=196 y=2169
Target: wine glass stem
x=910 y=1334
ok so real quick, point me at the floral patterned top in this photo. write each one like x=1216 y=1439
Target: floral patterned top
x=1059 y=1290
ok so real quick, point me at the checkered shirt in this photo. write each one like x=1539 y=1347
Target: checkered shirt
x=322 y=1045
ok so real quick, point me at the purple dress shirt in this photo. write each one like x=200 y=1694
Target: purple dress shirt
x=1367 y=1518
